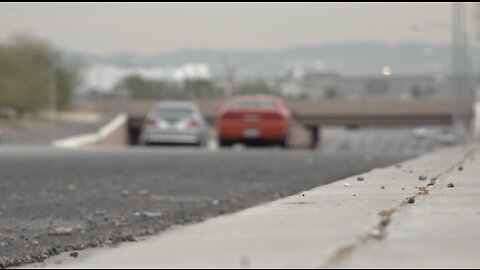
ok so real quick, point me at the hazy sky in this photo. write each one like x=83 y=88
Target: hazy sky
x=164 y=27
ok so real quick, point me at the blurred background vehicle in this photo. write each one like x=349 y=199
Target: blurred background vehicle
x=446 y=137
x=254 y=120
x=173 y=122
x=420 y=132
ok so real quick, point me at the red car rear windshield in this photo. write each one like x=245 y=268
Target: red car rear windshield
x=253 y=104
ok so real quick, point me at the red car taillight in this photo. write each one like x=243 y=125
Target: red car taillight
x=192 y=124
x=150 y=122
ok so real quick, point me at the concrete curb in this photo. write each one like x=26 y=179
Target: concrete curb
x=440 y=231
x=92 y=138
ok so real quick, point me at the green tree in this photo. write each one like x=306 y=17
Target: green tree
x=202 y=88
x=27 y=67
x=331 y=92
x=255 y=87
x=141 y=88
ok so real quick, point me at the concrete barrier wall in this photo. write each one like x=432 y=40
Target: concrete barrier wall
x=117 y=137
x=114 y=133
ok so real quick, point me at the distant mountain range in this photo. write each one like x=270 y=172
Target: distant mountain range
x=345 y=59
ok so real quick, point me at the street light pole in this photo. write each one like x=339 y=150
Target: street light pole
x=464 y=96
x=53 y=100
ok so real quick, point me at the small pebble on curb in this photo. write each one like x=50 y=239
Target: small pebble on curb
x=347 y=184
x=360 y=178
x=451 y=185
x=460 y=168
x=411 y=200
x=382 y=187
x=385 y=221
x=377 y=234
x=422 y=177
x=74 y=254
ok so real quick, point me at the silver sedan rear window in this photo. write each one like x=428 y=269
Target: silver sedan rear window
x=174 y=112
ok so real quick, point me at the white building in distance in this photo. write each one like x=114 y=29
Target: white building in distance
x=103 y=78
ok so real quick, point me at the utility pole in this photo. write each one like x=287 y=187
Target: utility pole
x=53 y=100
x=463 y=96
x=229 y=73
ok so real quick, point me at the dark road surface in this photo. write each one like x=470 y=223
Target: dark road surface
x=54 y=200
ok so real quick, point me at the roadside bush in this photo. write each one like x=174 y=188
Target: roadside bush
x=141 y=88
x=29 y=69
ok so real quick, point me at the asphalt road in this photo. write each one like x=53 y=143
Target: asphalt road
x=54 y=200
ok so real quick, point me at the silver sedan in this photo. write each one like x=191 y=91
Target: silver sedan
x=174 y=123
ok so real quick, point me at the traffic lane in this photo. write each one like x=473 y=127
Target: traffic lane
x=54 y=200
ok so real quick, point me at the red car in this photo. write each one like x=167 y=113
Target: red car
x=254 y=120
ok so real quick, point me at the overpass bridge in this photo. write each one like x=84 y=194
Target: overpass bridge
x=314 y=114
